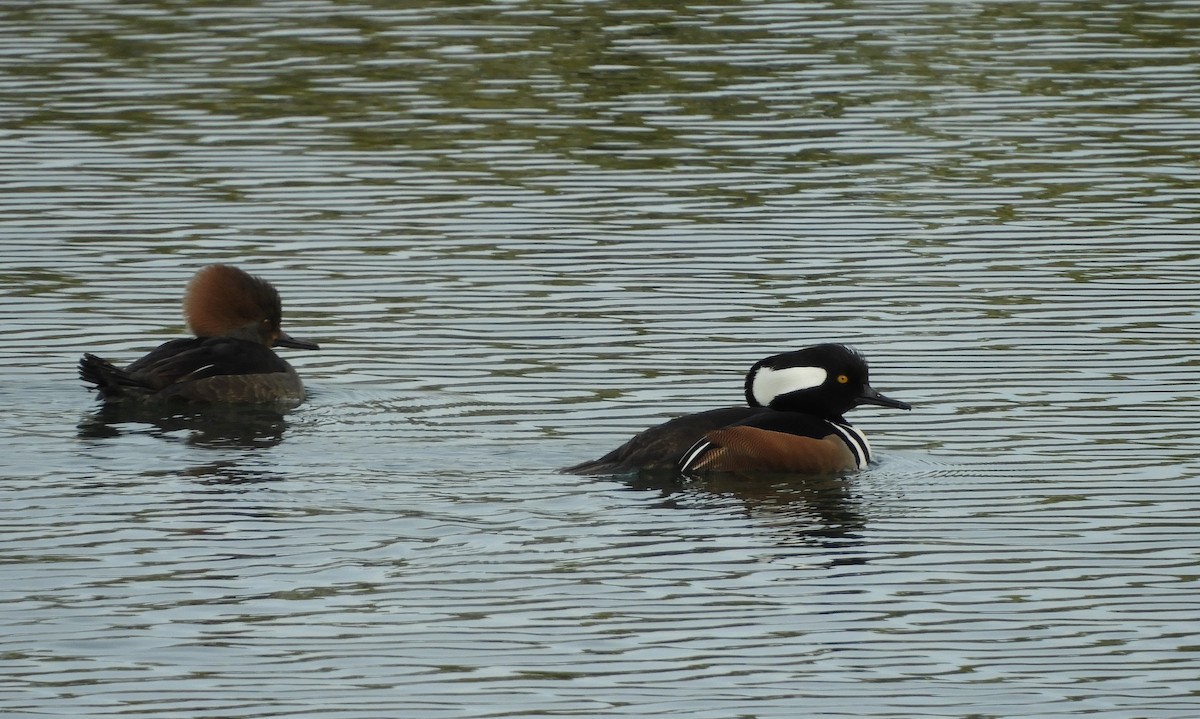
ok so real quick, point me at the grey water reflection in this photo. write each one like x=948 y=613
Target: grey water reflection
x=215 y=427
x=529 y=229
x=817 y=511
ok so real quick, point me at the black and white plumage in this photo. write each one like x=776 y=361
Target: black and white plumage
x=792 y=423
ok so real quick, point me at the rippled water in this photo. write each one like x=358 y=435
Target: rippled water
x=523 y=231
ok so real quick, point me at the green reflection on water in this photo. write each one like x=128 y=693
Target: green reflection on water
x=750 y=102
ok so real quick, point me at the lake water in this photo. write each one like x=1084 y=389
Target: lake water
x=523 y=231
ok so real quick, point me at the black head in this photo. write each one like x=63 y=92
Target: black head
x=825 y=380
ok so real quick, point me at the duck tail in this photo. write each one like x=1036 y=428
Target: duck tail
x=112 y=381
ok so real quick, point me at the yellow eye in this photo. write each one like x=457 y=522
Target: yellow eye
x=842 y=379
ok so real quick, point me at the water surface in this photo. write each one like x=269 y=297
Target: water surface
x=523 y=231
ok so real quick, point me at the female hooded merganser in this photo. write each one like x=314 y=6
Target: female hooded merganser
x=793 y=423
x=235 y=317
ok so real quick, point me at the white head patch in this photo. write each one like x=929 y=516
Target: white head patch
x=771 y=383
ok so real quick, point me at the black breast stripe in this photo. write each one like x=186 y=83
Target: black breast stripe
x=855 y=441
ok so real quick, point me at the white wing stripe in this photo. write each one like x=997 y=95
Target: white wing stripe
x=693 y=454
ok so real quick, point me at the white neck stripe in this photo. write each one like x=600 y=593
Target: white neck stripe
x=856 y=441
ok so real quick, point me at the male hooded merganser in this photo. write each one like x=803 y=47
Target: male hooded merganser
x=235 y=317
x=793 y=423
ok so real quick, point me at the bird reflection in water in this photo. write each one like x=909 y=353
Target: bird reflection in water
x=211 y=426
x=820 y=510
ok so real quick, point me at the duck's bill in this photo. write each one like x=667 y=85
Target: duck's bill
x=286 y=340
x=870 y=396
